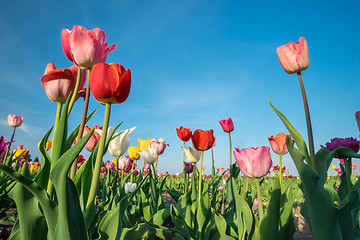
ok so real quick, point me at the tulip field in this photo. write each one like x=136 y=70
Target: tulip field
x=64 y=195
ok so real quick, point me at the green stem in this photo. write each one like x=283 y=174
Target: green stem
x=8 y=149
x=281 y=174
x=213 y=164
x=347 y=163
x=156 y=162
x=308 y=123
x=82 y=124
x=75 y=92
x=230 y=149
x=185 y=173
x=50 y=187
x=259 y=196
x=200 y=175
x=99 y=156
x=132 y=171
x=244 y=193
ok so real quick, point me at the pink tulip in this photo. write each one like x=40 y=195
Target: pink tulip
x=254 y=162
x=20 y=146
x=357 y=117
x=341 y=161
x=227 y=124
x=221 y=188
x=124 y=162
x=58 y=82
x=110 y=165
x=159 y=144
x=294 y=57
x=15 y=120
x=85 y=47
x=147 y=166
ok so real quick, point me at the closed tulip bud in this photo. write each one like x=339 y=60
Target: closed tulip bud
x=354 y=166
x=227 y=124
x=129 y=187
x=58 y=83
x=192 y=155
x=184 y=133
x=124 y=162
x=189 y=167
x=357 y=117
x=203 y=140
x=110 y=83
x=85 y=47
x=149 y=155
x=119 y=145
x=159 y=144
x=143 y=144
x=15 y=120
x=253 y=162
x=94 y=139
x=294 y=57
x=278 y=143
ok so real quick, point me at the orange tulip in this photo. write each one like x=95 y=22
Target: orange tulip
x=95 y=137
x=278 y=143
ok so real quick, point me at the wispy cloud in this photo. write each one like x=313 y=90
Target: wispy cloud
x=24 y=127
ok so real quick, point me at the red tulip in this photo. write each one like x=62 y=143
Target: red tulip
x=94 y=139
x=254 y=162
x=184 y=133
x=110 y=83
x=294 y=57
x=227 y=124
x=85 y=47
x=278 y=143
x=203 y=140
x=58 y=82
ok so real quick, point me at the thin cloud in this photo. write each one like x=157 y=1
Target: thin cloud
x=24 y=127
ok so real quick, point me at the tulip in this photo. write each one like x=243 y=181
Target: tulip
x=189 y=167
x=15 y=120
x=203 y=140
x=129 y=187
x=227 y=124
x=143 y=144
x=124 y=163
x=59 y=82
x=48 y=144
x=119 y=145
x=192 y=154
x=350 y=142
x=184 y=133
x=94 y=139
x=85 y=47
x=147 y=166
x=149 y=155
x=357 y=117
x=133 y=153
x=253 y=162
x=159 y=144
x=294 y=57
x=110 y=83
x=278 y=143
x=110 y=165
x=3 y=148
x=354 y=166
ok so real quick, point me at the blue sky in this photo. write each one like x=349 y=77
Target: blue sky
x=193 y=63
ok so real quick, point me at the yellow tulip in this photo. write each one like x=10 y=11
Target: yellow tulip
x=21 y=152
x=48 y=144
x=333 y=167
x=33 y=169
x=143 y=144
x=133 y=153
x=114 y=161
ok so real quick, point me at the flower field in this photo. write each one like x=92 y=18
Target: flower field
x=64 y=195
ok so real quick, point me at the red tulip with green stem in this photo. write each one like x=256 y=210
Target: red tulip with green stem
x=184 y=134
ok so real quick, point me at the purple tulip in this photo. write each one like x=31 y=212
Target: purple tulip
x=189 y=167
x=3 y=148
x=254 y=162
x=343 y=142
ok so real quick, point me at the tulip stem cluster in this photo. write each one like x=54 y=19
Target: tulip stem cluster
x=308 y=123
x=96 y=173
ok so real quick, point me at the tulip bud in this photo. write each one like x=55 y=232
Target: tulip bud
x=294 y=57
x=15 y=120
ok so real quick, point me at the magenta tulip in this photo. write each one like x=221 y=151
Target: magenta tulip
x=15 y=120
x=294 y=57
x=58 y=82
x=254 y=162
x=227 y=124
x=85 y=47
x=189 y=167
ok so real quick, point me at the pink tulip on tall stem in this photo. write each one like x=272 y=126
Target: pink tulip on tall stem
x=14 y=121
x=294 y=58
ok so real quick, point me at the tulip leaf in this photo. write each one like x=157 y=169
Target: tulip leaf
x=221 y=225
x=69 y=226
x=269 y=225
x=323 y=160
x=161 y=216
x=42 y=178
x=174 y=194
x=348 y=216
x=287 y=226
x=321 y=214
x=31 y=220
x=294 y=133
x=49 y=208
x=179 y=222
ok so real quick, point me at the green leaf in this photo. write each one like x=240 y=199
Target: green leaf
x=71 y=224
x=174 y=194
x=221 y=225
x=42 y=178
x=348 y=216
